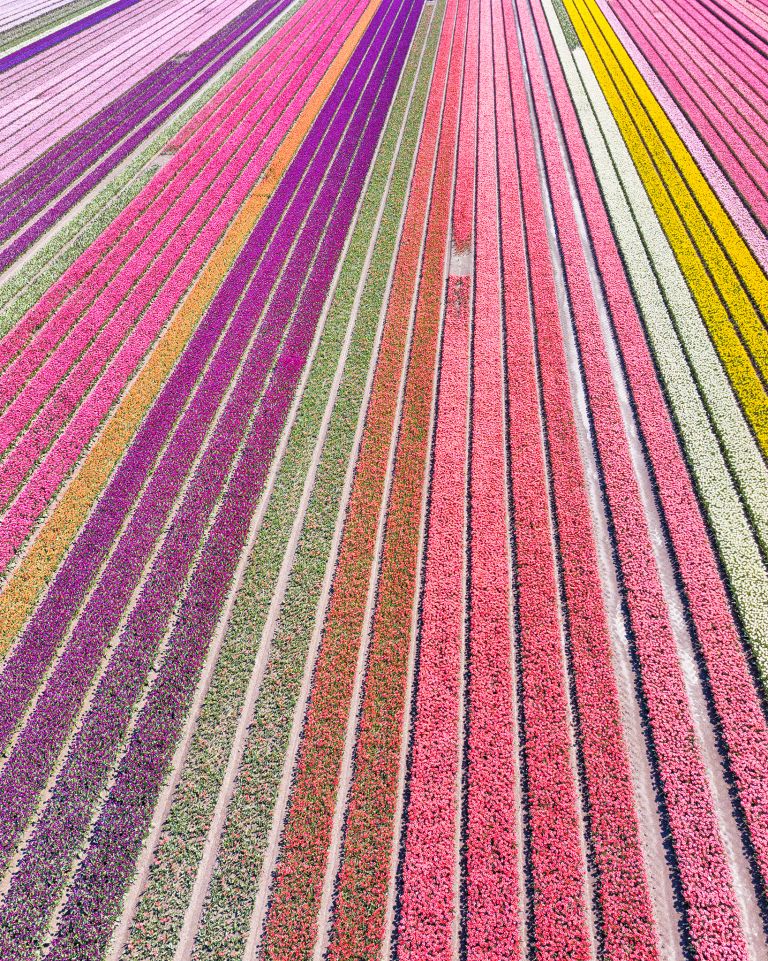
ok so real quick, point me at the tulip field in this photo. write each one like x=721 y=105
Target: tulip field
x=384 y=480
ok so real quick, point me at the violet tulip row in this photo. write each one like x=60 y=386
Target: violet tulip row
x=187 y=643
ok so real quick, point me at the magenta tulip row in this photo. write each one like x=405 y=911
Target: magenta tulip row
x=97 y=739
x=156 y=262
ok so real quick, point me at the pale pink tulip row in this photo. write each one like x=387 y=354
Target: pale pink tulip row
x=83 y=89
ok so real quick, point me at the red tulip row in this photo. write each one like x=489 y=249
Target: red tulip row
x=291 y=922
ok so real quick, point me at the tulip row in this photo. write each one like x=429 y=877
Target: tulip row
x=700 y=859
x=549 y=788
x=172 y=874
x=128 y=48
x=126 y=232
x=732 y=128
x=726 y=287
x=426 y=900
x=725 y=459
x=147 y=517
x=730 y=688
x=179 y=262
x=44 y=553
x=16 y=680
x=61 y=820
x=150 y=113
x=53 y=166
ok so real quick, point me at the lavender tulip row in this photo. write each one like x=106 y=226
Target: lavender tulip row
x=37 y=202
x=102 y=612
x=71 y=30
x=199 y=614
x=105 y=126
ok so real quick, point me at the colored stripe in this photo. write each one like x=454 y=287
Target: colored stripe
x=41 y=560
x=31 y=50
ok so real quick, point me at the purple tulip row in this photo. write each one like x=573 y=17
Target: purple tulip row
x=44 y=43
x=39 y=190
x=23 y=671
x=66 y=815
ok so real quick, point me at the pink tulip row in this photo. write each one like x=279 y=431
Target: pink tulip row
x=43 y=482
x=622 y=900
x=493 y=890
x=722 y=110
x=119 y=688
x=427 y=903
x=16 y=12
x=492 y=905
x=728 y=679
x=140 y=218
x=64 y=175
x=208 y=169
x=711 y=913
x=143 y=215
x=548 y=774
